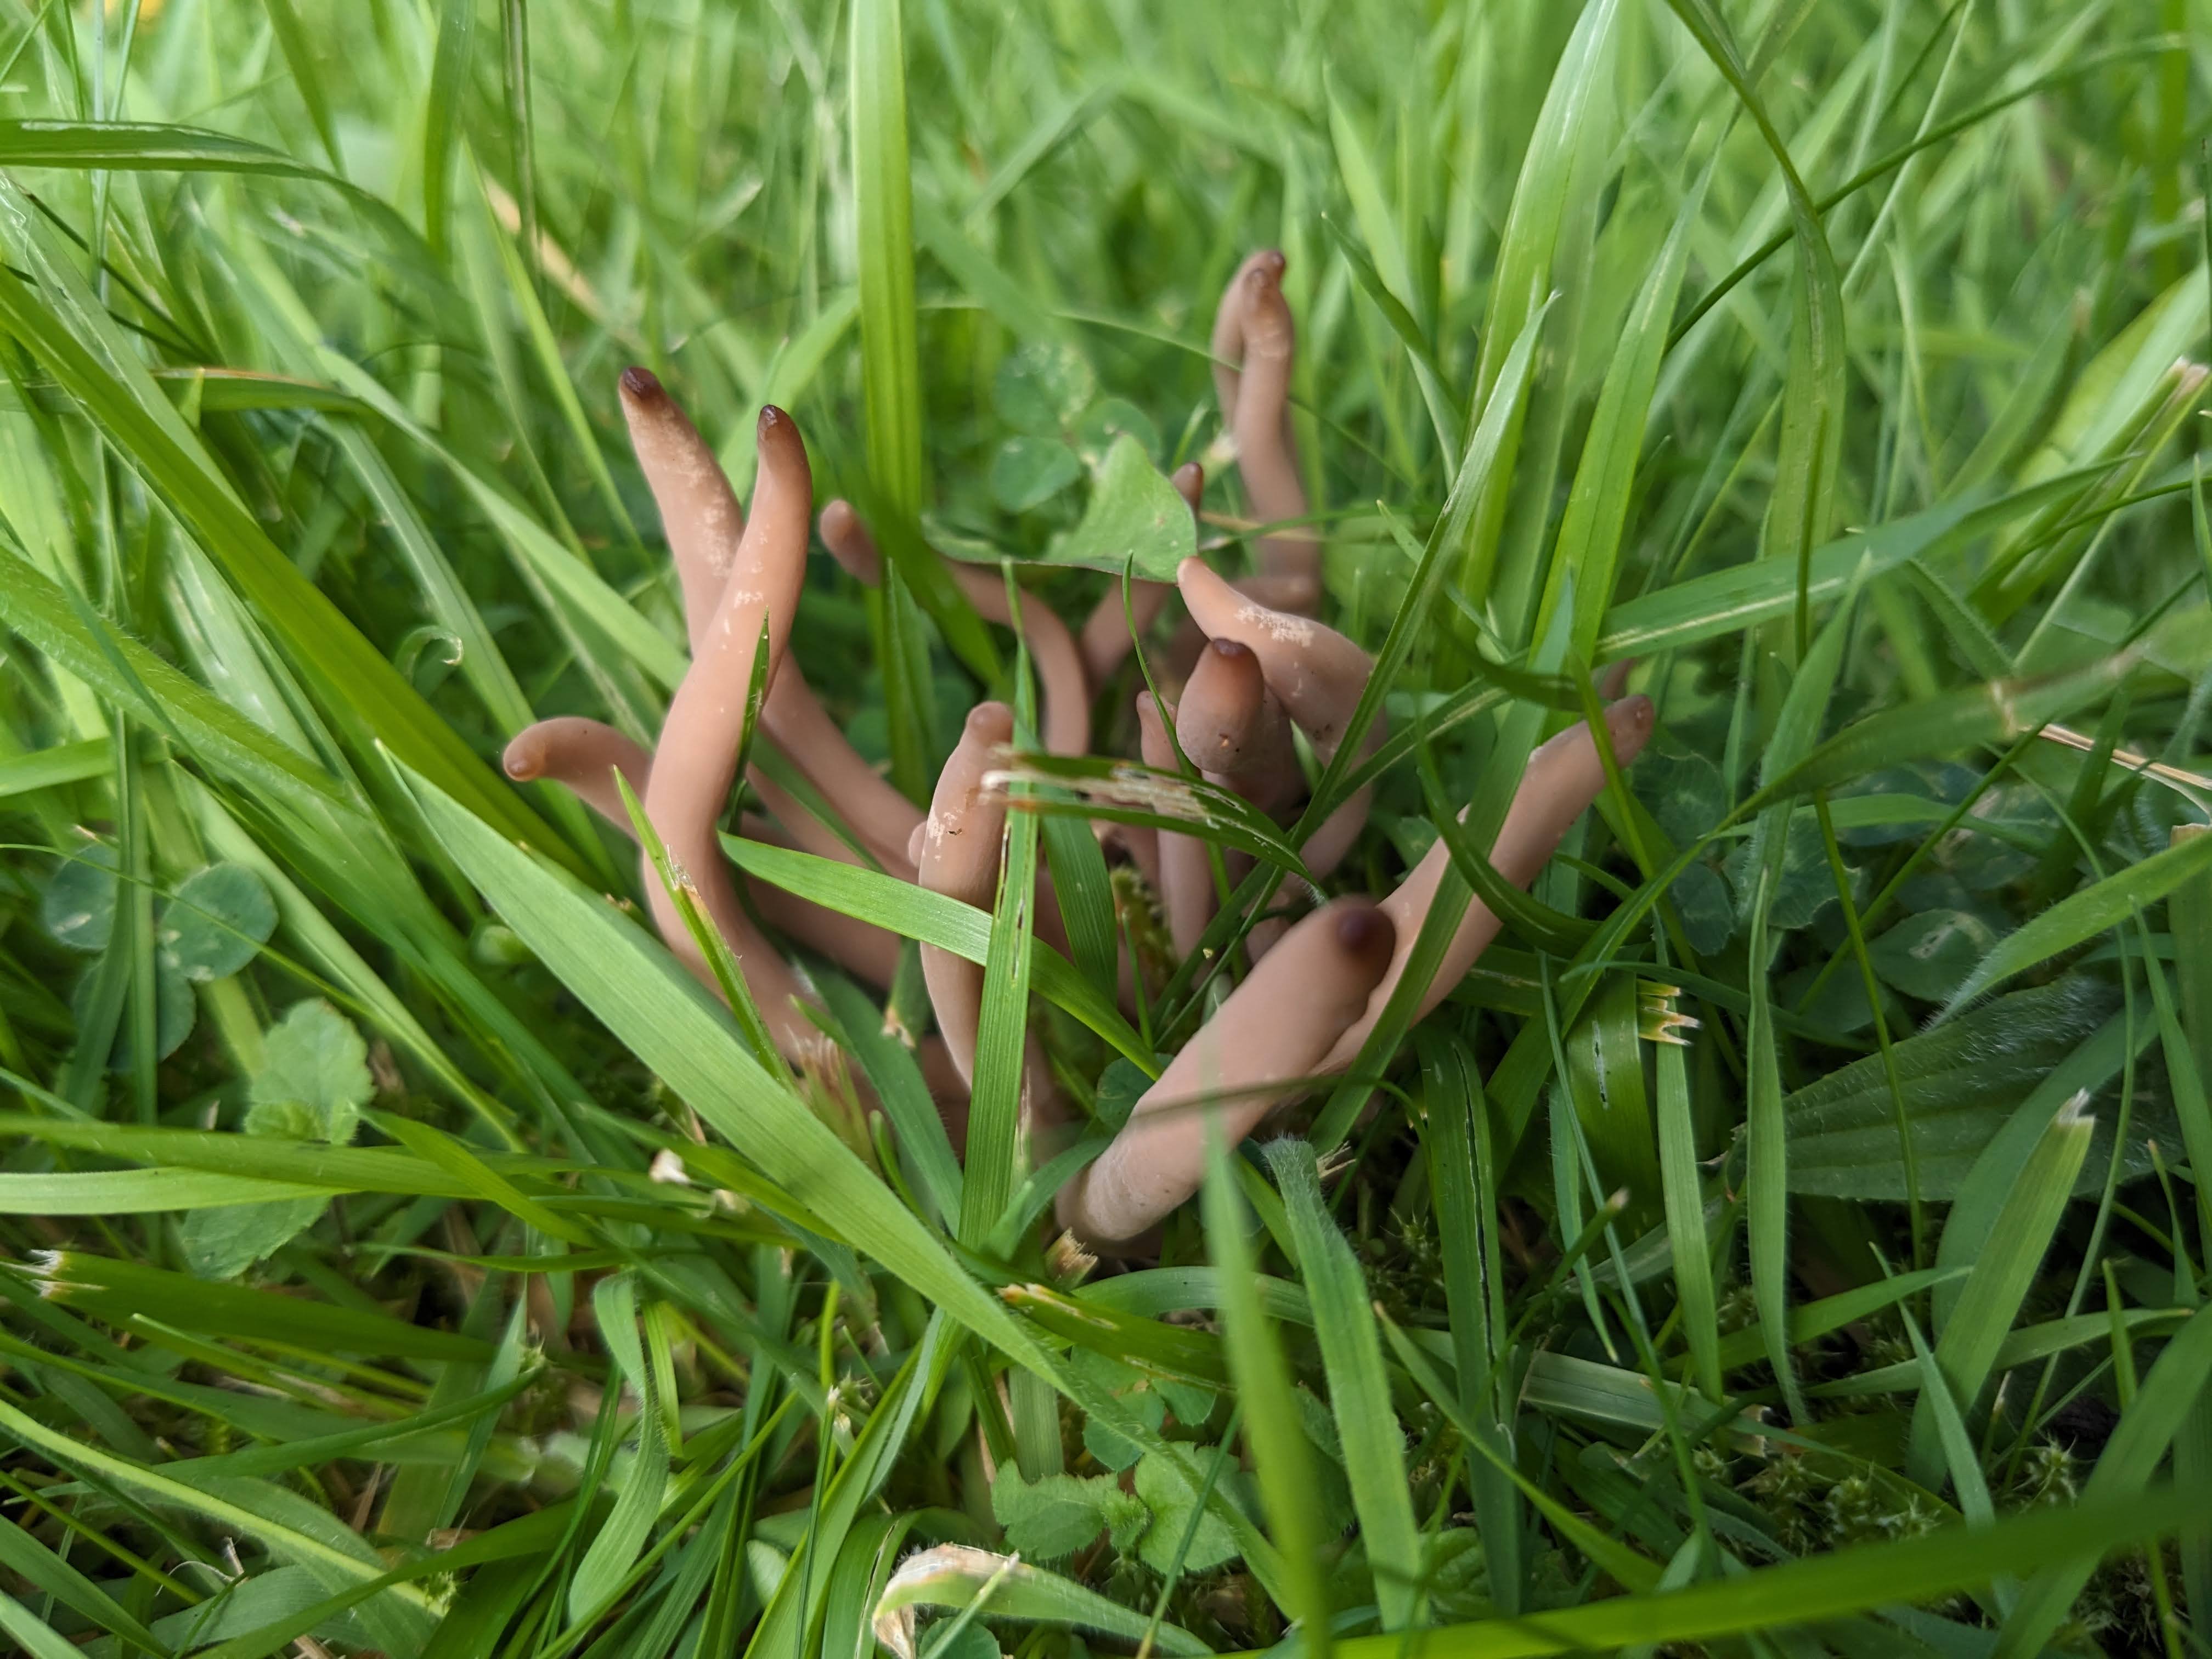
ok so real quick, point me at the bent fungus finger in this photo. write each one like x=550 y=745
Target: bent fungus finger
x=582 y=756
x=1270 y=1034
x=880 y=817
x=1254 y=330
x=1563 y=777
x=1060 y=674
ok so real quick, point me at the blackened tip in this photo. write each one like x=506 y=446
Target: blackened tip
x=1365 y=933
x=771 y=417
x=1229 y=649
x=641 y=383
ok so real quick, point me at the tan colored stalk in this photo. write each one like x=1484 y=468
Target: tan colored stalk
x=696 y=760
x=1186 y=878
x=871 y=951
x=699 y=511
x=1562 y=778
x=1065 y=691
x=959 y=856
x=880 y=818
x=1271 y=1034
x=582 y=756
x=1255 y=348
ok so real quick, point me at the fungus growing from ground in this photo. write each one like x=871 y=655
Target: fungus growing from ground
x=1314 y=990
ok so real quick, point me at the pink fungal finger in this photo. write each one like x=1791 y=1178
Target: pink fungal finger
x=1065 y=716
x=1270 y=1034
x=1253 y=349
x=959 y=856
x=880 y=817
x=1316 y=672
x=871 y=951
x=1186 y=877
x=699 y=511
x=1107 y=632
x=696 y=761
x=1060 y=673
x=1562 y=778
x=1234 y=730
x=583 y=755
x=850 y=544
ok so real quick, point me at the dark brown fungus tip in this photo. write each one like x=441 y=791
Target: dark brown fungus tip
x=1189 y=482
x=1366 y=936
x=641 y=384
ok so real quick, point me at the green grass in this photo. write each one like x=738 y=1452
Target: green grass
x=397 y=1256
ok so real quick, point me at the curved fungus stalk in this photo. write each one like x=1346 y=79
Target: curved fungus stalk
x=1186 y=877
x=1315 y=989
x=582 y=756
x=1064 y=688
x=881 y=819
x=696 y=760
x=1254 y=348
x=1563 y=779
x=1273 y=1031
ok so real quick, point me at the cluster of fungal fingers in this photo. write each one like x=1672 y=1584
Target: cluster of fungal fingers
x=1253 y=667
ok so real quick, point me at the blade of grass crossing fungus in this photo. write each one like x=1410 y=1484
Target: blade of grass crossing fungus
x=1359 y=1393
x=883 y=193
x=1282 y=1457
x=995 y=1104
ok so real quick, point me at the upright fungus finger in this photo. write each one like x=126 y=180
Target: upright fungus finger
x=699 y=511
x=1066 y=715
x=1253 y=329
x=1111 y=629
x=1562 y=778
x=1186 y=880
x=879 y=816
x=850 y=543
x=583 y=755
x=696 y=763
x=1234 y=730
x=1270 y=1034
x=959 y=856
